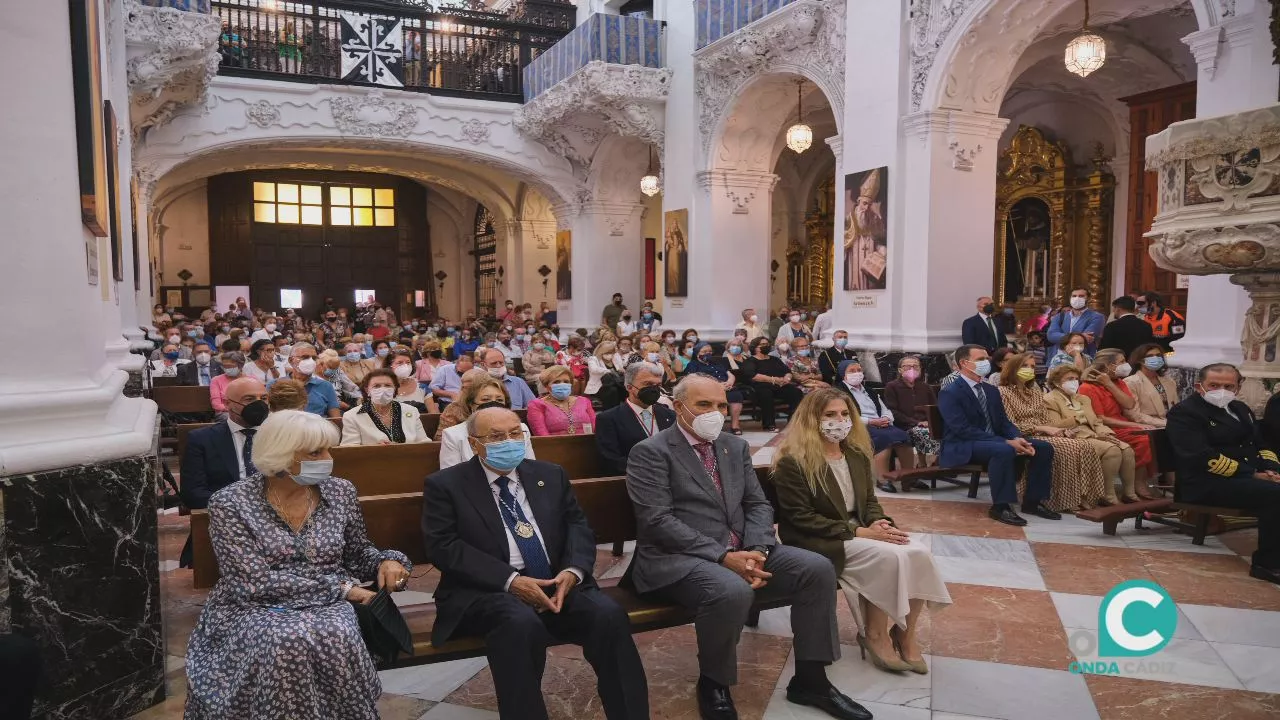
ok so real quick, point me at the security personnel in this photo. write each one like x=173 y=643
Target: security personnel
x=1166 y=325
x=1221 y=462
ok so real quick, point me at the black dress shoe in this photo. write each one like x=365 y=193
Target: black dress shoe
x=1265 y=573
x=915 y=485
x=830 y=701
x=1007 y=516
x=1041 y=510
x=714 y=701
x=886 y=486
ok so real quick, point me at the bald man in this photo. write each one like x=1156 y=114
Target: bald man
x=515 y=555
x=219 y=455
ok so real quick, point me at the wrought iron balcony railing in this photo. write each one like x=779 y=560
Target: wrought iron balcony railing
x=401 y=44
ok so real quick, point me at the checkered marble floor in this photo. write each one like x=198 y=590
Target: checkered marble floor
x=1023 y=598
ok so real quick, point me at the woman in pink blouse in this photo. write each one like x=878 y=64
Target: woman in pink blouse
x=232 y=366
x=560 y=412
x=432 y=358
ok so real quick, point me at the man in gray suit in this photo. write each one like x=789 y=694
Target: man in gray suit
x=706 y=542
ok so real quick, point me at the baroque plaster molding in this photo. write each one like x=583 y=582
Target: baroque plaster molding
x=963 y=152
x=1220 y=250
x=475 y=131
x=173 y=55
x=263 y=114
x=1206 y=46
x=630 y=99
x=740 y=187
x=374 y=115
x=931 y=22
x=805 y=37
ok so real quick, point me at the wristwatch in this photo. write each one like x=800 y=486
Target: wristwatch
x=762 y=549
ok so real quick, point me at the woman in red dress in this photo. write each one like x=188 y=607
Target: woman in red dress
x=1110 y=399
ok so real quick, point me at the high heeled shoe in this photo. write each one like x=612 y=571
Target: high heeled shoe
x=894 y=665
x=916 y=666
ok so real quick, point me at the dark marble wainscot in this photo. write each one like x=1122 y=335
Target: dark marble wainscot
x=79 y=549
x=134 y=385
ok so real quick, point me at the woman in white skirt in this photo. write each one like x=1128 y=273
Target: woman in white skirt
x=827 y=504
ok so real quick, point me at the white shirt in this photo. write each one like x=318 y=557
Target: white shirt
x=867 y=405
x=238 y=439
x=252 y=370
x=824 y=329
x=262 y=334
x=159 y=369
x=454 y=448
x=840 y=468
x=522 y=500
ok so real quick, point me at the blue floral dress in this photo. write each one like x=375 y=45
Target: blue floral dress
x=277 y=638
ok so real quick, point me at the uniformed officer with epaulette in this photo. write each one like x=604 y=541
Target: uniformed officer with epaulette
x=1221 y=462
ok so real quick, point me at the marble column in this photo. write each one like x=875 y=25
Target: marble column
x=608 y=258
x=78 y=554
x=1235 y=73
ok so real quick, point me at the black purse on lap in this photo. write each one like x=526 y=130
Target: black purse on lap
x=383 y=628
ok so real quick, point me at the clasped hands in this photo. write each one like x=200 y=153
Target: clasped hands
x=1021 y=446
x=749 y=565
x=531 y=591
x=884 y=531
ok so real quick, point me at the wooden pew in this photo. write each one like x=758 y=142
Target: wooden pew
x=182 y=399
x=394 y=521
x=1198 y=517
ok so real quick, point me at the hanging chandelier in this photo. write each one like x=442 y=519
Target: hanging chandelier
x=799 y=136
x=649 y=183
x=1087 y=52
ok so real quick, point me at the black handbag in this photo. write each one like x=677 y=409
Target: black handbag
x=383 y=628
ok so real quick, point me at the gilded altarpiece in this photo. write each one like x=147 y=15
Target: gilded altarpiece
x=809 y=258
x=1053 y=225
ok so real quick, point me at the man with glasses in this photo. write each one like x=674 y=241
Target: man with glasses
x=515 y=555
x=619 y=428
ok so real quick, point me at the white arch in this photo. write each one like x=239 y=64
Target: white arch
x=976 y=58
x=749 y=135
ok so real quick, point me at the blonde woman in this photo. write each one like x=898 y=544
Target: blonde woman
x=484 y=392
x=652 y=353
x=1066 y=407
x=827 y=504
x=1153 y=391
x=599 y=364
x=459 y=410
x=559 y=411
x=1078 y=479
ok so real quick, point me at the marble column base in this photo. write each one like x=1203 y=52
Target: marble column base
x=79 y=574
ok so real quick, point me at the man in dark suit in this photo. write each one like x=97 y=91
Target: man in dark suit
x=1221 y=462
x=515 y=556
x=977 y=430
x=981 y=329
x=706 y=543
x=618 y=429
x=202 y=369
x=1127 y=332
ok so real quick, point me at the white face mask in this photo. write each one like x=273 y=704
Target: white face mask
x=402 y=371
x=313 y=472
x=203 y=358
x=306 y=366
x=708 y=425
x=270 y=327
x=1077 y=303
x=1123 y=370
x=1071 y=386
x=836 y=430
x=753 y=319
x=1075 y=348
x=783 y=347
x=1220 y=398
x=854 y=378
x=382 y=395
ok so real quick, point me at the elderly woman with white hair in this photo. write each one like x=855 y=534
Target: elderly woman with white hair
x=278 y=636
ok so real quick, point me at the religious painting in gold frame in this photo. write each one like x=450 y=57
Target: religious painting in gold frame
x=1033 y=257
x=91 y=141
x=564 y=264
x=675 y=253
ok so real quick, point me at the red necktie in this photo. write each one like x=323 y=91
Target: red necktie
x=707 y=453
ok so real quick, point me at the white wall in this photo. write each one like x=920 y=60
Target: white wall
x=183 y=225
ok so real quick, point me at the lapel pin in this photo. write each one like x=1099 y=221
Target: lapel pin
x=541 y=484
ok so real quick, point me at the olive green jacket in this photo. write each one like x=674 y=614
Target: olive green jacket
x=819 y=522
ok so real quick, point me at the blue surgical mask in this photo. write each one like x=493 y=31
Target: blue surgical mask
x=735 y=350
x=313 y=472
x=504 y=456
x=688 y=352
x=231 y=371
x=803 y=352
x=1153 y=363
x=353 y=357
x=841 y=342
x=193 y=333
x=172 y=355
x=383 y=352
x=561 y=391
x=982 y=367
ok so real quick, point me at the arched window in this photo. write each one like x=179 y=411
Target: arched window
x=486 y=255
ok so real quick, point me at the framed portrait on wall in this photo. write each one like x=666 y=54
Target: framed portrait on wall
x=675 y=249
x=564 y=265
x=865 y=231
x=91 y=141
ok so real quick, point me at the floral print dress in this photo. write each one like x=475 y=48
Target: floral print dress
x=277 y=638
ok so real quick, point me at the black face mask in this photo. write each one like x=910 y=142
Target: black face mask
x=649 y=395
x=436 y=354
x=763 y=350
x=616 y=301
x=989 y=309
x=255 y=413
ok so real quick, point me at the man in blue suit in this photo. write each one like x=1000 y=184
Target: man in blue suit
x=981 y=329
x=977 y=430
x=1080 y=318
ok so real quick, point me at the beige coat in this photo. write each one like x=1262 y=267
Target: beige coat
x=1061 y=413
x=1151 y=407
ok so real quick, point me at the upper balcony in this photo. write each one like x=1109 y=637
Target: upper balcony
x=715 y=19
x=402 y=44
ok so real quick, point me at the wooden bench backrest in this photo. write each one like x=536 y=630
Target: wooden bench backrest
x=160 y=381
x=182 y=399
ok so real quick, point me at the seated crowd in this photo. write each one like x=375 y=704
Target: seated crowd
x=514 y=549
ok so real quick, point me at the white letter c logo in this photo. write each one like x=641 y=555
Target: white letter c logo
x=1115 y=619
